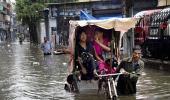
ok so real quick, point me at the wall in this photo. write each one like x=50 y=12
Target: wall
x=42 y=31
x=163 y=2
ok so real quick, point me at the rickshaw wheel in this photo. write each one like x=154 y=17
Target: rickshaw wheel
x=74 y=87
x=106 y=92
x=67 y=87
x=73 y=83
x=114 y=98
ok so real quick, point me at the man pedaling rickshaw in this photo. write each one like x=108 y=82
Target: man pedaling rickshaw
x=131 y=68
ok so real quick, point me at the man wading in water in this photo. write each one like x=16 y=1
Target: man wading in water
x=131 y=68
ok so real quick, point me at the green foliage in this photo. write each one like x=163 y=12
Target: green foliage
x=51 y=1
x=61 y=1
x=28 y=11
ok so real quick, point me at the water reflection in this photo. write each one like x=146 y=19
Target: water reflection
x=152 y=85
x=22 y=79
x=26 y=74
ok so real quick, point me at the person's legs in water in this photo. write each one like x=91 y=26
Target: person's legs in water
x=121 y=85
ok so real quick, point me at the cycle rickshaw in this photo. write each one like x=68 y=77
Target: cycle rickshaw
x=114 y=29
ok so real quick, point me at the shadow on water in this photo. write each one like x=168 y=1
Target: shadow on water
x=26 y=74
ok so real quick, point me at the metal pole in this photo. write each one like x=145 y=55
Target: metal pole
x=133 y=36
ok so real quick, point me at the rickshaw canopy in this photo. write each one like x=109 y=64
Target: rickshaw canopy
x=119 y=24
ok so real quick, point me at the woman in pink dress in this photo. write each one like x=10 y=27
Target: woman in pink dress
x=100 y=46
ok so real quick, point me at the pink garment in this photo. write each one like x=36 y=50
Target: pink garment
x=102 y=65
x=106 y=68
x=97 y=47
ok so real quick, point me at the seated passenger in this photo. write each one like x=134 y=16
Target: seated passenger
x=102 y=50
x=84 y=56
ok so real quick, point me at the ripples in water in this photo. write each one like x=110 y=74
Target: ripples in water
x=20 y=79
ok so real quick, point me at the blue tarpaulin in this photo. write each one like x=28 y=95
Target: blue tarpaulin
x=108 y=16
x=86 y=16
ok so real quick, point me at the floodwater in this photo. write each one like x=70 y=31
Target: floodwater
x=25 y=74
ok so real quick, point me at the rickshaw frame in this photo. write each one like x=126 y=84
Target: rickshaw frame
x=118 y=24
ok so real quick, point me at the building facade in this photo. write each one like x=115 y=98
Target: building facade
x=131 y=7
x=61 y=11
x=5 y=20
x=163 y=2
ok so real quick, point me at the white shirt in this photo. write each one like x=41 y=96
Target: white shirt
x=46 y=47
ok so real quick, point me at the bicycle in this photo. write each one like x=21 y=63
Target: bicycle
x=108 y=84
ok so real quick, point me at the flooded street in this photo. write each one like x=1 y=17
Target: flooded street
x=25 y=74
